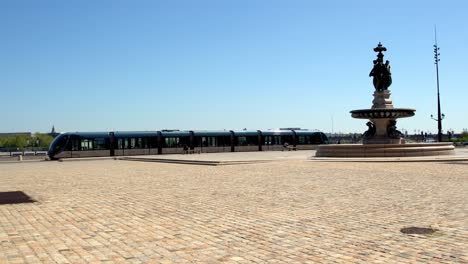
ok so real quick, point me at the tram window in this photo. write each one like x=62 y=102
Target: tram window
x=224 y=141
x=68 y=146
x=277 y=140
x=209 y=141
x=99 y=143
x=212 y=141
x=138 y=143
x=304 y=139
x=242 y=141
x=61 y=143
x=131 y=143
x=288 y=139
x=153 y=142
x=184 y=141
x=141 y=143
x=75 y=144
x=171 y=142
x=300 y=140
x=252 y=140
x=315 y=139
x=198 y=141
x=120 y=143
x=86 y=144
x=273 y=140
x=221 y=141
x=310 y=139
x=144 y=142
x=246 y=141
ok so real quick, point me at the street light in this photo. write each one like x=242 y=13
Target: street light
x=440 y=118
x=439 y=115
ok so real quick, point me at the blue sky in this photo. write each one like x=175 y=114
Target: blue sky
x=210 y=64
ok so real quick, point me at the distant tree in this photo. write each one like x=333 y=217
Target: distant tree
x=42 y=140
x=464 y=135
x=14 y=141
x=23 y=141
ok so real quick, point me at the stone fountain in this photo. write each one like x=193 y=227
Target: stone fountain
x=382 y=115
x=382 y=139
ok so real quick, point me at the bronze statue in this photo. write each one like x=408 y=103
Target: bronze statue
x=381 y=72
x=370 y=131
x=392 y=131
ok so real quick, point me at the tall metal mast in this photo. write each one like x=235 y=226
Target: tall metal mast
x=439 y=115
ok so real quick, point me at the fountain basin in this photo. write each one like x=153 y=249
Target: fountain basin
x=385 y=150
x=377 y=113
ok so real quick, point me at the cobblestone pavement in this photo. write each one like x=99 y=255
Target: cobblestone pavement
x=292 y=211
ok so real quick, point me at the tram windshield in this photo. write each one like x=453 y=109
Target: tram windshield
x=58 y=144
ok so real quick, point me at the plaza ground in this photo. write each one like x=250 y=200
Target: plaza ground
x=278 y=208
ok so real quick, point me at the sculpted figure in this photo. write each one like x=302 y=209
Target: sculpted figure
x=381 y=72
x=392 y=131
x=370 y=131
x=387 y=75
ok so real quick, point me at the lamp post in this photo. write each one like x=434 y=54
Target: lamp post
x=439 y=115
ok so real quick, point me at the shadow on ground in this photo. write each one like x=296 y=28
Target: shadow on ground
x=15 y=197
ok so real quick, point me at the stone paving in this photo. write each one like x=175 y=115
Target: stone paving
x=284 y=211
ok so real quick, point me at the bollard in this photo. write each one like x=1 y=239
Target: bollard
x=20 y=157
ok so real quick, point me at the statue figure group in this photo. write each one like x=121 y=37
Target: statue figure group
x=381 y=72
x=392 y=131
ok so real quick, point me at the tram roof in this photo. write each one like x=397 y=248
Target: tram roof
x=87 y=134
x=134 y=133
x=212 y=133
x=306 y=132
x=277 y=132
x=175 y=133
x=116 y=133
x=246 y=133
x=187 y=133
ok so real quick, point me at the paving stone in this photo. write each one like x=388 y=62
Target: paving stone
x=284 y=211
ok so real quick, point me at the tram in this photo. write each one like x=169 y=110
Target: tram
x=102 y=144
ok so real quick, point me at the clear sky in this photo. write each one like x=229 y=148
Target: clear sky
x=209 y=64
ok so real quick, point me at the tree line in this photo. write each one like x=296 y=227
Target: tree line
x=35 y=140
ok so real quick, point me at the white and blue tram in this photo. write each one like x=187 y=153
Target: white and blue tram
x=101 y=144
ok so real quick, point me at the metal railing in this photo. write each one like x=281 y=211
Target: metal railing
x=28 y=151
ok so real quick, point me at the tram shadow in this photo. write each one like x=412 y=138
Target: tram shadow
x=15 y=197
x=457 y=163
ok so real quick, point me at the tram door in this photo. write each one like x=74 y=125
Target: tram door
x=111 y=144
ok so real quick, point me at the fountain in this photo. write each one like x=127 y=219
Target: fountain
x=382 y=139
